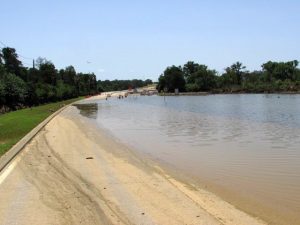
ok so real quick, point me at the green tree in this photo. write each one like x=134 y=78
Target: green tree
x=236 y=72
x=47 y=71
x=68 y=75
x=33 y=75
x=190 y=68
x=281 y=70
x=202 y=80
x=161 y=83
x=172 y=79
x=2 y=71
x=11 y=62
x=87 y=84
x=45 y=93
x=14 y=90
x=64 y=91
x=147 y=82
x=118 y=85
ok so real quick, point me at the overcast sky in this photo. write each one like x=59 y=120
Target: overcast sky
x=139 y=39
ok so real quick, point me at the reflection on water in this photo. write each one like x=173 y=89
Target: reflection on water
x=88 y=110
x=249 y=145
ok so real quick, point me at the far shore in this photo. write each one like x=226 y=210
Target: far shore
x=224 y=93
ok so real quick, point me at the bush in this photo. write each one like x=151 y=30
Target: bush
x=192 y=87
x=14 y=91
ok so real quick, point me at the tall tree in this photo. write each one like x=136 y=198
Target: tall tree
x=189 y=68
x=172 y=79
x=69 y=75
x=47 y=71
x=236 y=70
x=11 y=62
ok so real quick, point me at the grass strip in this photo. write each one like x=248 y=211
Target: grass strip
x=15 y=125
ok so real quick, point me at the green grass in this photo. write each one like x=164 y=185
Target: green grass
x=15 y=125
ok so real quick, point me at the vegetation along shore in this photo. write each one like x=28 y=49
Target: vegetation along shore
x=193 y=77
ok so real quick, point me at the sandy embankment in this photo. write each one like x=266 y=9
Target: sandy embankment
x=53 y=182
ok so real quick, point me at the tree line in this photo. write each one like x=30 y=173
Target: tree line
x=194 y=77
x=21 y=86
x=119 y=85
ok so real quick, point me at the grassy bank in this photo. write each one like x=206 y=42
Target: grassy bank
x=15 y=125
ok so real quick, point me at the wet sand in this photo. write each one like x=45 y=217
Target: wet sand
x=71 y=173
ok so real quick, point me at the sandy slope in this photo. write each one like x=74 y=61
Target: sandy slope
x=52 y=182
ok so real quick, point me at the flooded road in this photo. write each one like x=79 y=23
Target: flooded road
x=245 y=148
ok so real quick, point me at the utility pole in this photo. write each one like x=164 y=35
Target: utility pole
x=33 y=64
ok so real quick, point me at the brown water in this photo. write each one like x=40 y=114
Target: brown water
x=245 y=148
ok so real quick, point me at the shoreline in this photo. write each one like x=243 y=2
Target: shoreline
x=227 y=93
x=109 y=184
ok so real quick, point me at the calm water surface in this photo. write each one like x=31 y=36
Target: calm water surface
x=244 y=147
